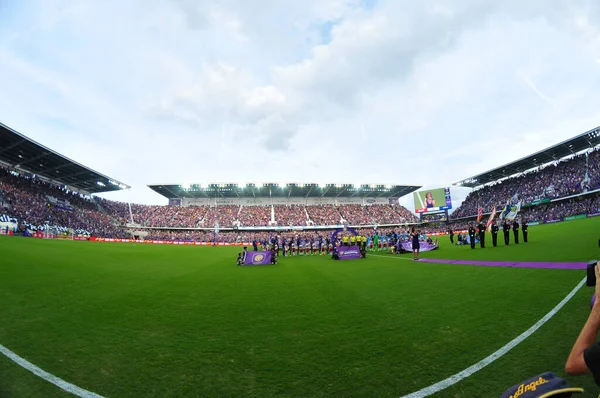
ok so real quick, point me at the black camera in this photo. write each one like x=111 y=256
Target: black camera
x=591 y=273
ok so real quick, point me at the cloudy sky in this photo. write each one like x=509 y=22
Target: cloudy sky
x=371 y=91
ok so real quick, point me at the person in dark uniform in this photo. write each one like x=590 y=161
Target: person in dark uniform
x=495 y=229
x=506 y=232
x=472 y=236
x=416 y=246
x=481 y=230
x=524 y=228
x=451 y=233
x=515 y=227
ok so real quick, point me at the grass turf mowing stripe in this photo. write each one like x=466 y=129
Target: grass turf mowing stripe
x=439 y=386
x=57 y=381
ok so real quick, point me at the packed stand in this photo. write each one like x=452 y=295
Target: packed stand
x=38 y=205
x=405 y=215
x=557 y=180
x=222 y=215
x=390 y=214
x=355 y=214
x=562 y=209
x=323 y=215
x=255 y=216
x=287 y=215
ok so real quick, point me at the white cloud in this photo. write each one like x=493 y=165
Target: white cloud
x=385 y=91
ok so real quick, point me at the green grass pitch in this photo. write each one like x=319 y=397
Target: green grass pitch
x=135 y=320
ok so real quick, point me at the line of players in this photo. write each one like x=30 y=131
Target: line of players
x=324 y=246
x=478 y=232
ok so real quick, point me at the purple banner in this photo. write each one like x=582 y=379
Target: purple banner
x=258 y=258
x=424 y=246
x=348 y=252
x=593 y=215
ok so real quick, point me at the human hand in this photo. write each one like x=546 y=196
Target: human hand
x=597 y=272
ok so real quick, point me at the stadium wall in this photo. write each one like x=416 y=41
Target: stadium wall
x=282 y=201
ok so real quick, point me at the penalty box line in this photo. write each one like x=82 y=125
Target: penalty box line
x=57 y=381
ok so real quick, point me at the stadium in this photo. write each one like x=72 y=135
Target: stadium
x=123 y=300
x=332 y=198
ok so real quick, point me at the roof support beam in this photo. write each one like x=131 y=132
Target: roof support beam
x=8 y=148
x=33 y=159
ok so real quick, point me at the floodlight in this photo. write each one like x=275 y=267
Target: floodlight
x=388 y=186
x=243 y=185
x=322 y=185
x=185 y=186
x=259 y=185
x=203 y=186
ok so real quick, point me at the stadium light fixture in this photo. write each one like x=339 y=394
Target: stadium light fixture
x=284 y=186
x=388 y=186
x=100 y=183
x=185 y=186
x=322 y=185
x=243 y=185
x=259 y=185
x=203 y=186
x=338 y=185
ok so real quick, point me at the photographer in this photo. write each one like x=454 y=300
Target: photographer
x=585 y=355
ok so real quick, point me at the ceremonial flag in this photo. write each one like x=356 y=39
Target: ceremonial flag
x=491 y=219
x=513 y=213
x=505 y=210
x=479 y=214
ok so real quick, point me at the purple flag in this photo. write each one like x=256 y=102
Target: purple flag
x=348 y=252
x=258 y=258
x=423 y=246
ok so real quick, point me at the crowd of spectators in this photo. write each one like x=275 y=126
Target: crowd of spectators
x=253 y=216
x=38 y=203
x=560 y=179
x=405 y=214
x=223 y=215
x=564 y=208
x=286 y=215
x=354 y=214
x=323 y=215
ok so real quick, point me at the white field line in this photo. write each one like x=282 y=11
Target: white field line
x=439 y=386
x=66 y=386
x=425 y=392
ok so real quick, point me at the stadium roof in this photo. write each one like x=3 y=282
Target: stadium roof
x=27 y=155
x=584 y=141
x=280 y=190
